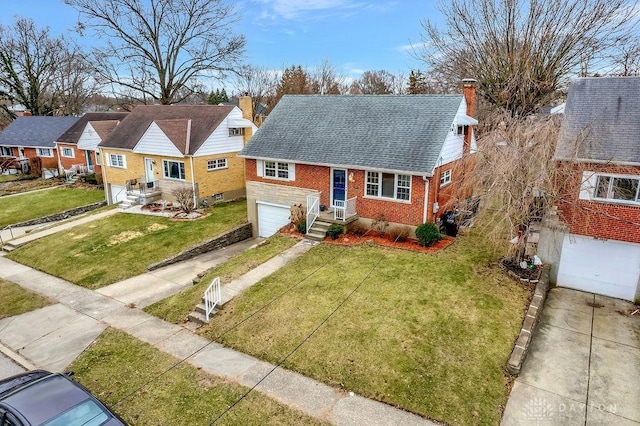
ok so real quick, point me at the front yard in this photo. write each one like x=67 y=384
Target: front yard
x=429 y=333
x=20 y=208
x=121 y=246
x=117 y=366
x=14 y=300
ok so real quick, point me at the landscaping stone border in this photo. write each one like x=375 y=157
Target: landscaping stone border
x=239 y=233
x=60 y=216
x=519 y=353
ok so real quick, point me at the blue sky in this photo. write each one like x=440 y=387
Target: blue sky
x=353 y=35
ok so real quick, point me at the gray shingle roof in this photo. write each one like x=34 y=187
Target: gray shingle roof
x=35 y=131
x=602 y=120
x=388 y=132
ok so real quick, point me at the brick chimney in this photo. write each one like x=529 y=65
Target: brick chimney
x=469 y=92
x=246 y=106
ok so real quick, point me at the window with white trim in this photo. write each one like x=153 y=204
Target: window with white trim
x=45 y=152
x=117 y=160
x=6 y=151
x=276 y=169
x=220 y=163
x=218 y=197
x=173 y=169
x=445 y=177
x=236 y=131
x=98 y=158
x=67 y=152
x=617 y=188
x=388 y=185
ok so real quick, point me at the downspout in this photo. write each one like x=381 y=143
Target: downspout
x=426 y=199
x=193 y=172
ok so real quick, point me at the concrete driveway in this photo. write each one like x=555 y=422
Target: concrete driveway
x=583 y=366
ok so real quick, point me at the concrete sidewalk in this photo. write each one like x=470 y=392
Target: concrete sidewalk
x=41 y=336
x=583 y=365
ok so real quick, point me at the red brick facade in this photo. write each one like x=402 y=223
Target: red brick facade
x=318 y=178
x=47 y=162
x=598 y=219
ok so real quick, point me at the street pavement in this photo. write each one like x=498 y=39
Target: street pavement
x=583 y=366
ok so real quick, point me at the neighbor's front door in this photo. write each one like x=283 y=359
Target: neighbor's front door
x=339 y=186
x=148 y=167
x=89 y=161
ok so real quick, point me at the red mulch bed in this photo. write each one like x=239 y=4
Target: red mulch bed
x=374 y=238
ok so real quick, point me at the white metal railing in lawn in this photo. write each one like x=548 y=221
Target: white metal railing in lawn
x=212 y=297
x=313 y=209
x=344 y=209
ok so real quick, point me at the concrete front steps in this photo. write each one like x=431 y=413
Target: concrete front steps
x=198 y=315
x=318 y=230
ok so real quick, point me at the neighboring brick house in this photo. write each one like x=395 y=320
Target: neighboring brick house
x=360 y=156
x=598 y=153
x=77 y=147
x=157 y=149
x=29 y=143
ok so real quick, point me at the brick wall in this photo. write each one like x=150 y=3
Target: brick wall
x=318 y=178
x=67 y=162
x=596 y=218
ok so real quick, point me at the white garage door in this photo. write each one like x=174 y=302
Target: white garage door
x=271 y=217
x=118 y=193
x=611 y=268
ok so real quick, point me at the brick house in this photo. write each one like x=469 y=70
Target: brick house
x=598 y=152
x=29 y=143
x=359 y=157
x=77 y=147
x=158 y=149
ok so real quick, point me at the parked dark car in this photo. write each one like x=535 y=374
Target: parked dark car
x=50 y=399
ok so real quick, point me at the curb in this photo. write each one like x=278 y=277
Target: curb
x=521 y=347
x=18 y=359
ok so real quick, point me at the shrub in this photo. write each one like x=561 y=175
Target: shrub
x=297 y=214
x=428 y=233
x=380 y=223
x=91 y=178
x=358 y=229
x=399 y=233
x=184 y=197
x=302 y=226
x=335 y=231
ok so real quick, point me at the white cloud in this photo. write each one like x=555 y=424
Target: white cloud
x=296 y=9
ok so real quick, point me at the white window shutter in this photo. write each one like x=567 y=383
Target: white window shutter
x=260 y=167
x=292 y=171
x=588 y=185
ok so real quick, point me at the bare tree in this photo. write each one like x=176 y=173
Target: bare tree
x=31 y=63
x=625 y=57
x=74 y=84
x=160 y=48
x=521 y=52
x=257 y=82
x=325 y=80
x=374 y=83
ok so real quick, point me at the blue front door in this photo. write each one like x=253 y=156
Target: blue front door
x=339 y=180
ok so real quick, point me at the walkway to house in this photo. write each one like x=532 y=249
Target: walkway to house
x=52 y=337
x=583 y=366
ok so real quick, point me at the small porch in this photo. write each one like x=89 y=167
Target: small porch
x=343 y=212
x=140 y=191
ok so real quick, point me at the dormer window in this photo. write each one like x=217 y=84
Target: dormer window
x=460 y=130
x=236 y=131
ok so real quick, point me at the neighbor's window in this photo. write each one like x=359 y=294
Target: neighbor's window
x=5 y=150
x=173 y=169
x=618 y=188
x=388 y=185
x=98 y=158
x=68 y=152
x=218 y=197
x=220 y=163
x=117 y=160
x=445 y=177
x=236 y=131
x=45 y=152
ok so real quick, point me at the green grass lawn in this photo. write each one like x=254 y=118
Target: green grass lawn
x=118 y=365
x=175 y=308
x=121 y=246
x=42 y=203
x=9 y=178
x=430 y=333
x=14 y=300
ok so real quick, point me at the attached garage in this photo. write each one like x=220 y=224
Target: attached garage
x=607 y=267
x=271 y=217
x=118 y=193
